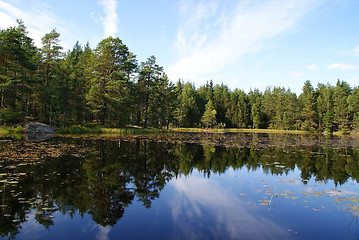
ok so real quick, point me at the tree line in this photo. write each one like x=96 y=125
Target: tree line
x=108 y=86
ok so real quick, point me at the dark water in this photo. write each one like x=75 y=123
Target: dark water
x=180 y=187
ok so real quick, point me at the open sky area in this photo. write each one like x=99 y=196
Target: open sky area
x=245 y=44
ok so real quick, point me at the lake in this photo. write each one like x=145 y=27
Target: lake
x=180 y=186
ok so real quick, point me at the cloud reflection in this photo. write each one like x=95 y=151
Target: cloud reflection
x=103 y=233
x=203 y=208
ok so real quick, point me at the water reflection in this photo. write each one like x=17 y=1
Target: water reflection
x=103 y=178
x=230 y=218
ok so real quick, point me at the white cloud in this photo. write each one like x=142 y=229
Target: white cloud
x=312 y=67
x=111 y=19
x=208 y=44
x=38 y=19
x=356 y=51
x=342 y=66
x=296 y=74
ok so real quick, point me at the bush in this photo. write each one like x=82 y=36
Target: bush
x=8 y=116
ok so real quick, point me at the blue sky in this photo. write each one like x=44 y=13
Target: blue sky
x=244 y=44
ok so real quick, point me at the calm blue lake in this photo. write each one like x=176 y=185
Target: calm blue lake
x=238 y=186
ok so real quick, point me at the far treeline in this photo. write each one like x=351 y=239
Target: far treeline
x=108 y=86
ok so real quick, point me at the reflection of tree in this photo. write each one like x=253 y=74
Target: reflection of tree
x=187 y=155
x=106 y=188
x=108 y=177
x=12 y=214
x=148 y=171
x=147 y=186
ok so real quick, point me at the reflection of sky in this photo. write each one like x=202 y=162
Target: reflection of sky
x=32 y=229
x=224 y=206
x=203 y=207
x=65 y=227
x=102 y=232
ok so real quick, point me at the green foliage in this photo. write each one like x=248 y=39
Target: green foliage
x=8 y=116
x=108 y=94
x=209 y=116
x=325 y=108
x=115 y=131
x=107 y=86
x=18 y=63
x=307 y=101
x=340 y=99
x=187 y=113
x=154 y=95
x=255 y=100
x=238 y=112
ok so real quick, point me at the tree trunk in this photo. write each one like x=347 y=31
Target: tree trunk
x=103 y=115
x=146 y=110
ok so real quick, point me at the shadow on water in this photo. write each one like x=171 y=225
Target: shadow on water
x=103 y=176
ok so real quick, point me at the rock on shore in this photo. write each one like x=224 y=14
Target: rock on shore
x=36 y=131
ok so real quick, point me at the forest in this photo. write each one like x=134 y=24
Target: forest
x=107 y=86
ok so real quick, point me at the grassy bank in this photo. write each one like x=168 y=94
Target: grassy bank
x=5 y=130
x=137 y=130
x=235 y=130
x=104 y=130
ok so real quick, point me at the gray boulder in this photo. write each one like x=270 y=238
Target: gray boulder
x=36 y=131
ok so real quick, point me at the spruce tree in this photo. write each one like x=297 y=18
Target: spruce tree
x=209 y=117
x=308 y=112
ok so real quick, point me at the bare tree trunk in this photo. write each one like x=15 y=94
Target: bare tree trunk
x=146 y=110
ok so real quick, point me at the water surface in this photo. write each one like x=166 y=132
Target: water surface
x=239 y=186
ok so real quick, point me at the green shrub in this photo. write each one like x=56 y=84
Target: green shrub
x=8 y=116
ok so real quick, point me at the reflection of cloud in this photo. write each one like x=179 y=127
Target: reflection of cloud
x=103 y=233
x=207 y=208
x=336 y=192
x=31 y=229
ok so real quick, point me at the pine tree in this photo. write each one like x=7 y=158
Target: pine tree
x=308 y=112
x=325 y=107
x=188 y=112
x=49 y=67
x=209 y=117
x=353 y=107
x=150 y=82
x=340 y=99
x=109 y=88
x=255 y=101
x=17 y=72
x=204 y=93
x=221 y=103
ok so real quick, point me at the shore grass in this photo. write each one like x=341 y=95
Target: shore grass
x=77 y=130
x=105 y=130
x=137 y=130
x=6 y=130
x=241 y=130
